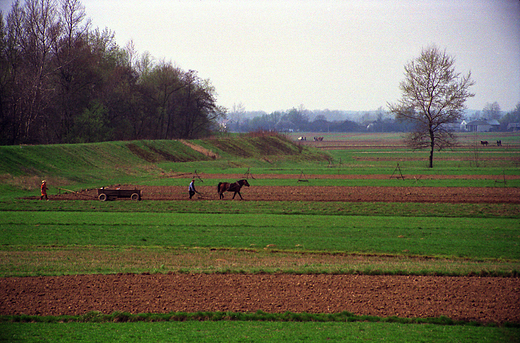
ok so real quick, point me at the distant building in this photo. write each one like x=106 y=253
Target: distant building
x=513 y=127
x=483 y=125
x=494 y=123
x=455 y=127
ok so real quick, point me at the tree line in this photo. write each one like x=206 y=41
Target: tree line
x=304 y=120
x=62 y=81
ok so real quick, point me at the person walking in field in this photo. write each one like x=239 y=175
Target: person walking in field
x=44 y=190
x=192 y=189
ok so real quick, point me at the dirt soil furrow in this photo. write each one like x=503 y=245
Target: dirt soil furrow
x=482 y=299
x=496 y=195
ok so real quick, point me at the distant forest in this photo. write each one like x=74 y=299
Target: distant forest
x=62 y=81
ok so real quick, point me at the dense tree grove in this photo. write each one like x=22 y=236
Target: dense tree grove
x=62 y=81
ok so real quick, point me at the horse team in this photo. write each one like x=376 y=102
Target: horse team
x=316 y=139
x=499 y=143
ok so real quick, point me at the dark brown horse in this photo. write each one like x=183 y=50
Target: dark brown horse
x=231 y=187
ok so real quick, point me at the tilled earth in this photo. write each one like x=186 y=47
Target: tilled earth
x=304 y=191
x=483 y=299
x=486 y=299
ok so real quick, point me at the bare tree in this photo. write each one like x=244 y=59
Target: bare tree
x=433 y=95
x=237 y=114
x=491 y=111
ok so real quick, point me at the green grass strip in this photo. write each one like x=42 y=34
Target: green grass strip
x=230 y=331
x=272 y=207
x=482 y=238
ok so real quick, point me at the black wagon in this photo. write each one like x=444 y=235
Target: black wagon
x=105 y=194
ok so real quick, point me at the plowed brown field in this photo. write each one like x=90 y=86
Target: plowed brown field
x=306 y=192
x=460 y=298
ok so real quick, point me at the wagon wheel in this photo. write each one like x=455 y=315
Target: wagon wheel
x=103 y=197
x=134 y=196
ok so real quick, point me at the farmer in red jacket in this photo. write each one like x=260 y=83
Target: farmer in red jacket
x=44 y=190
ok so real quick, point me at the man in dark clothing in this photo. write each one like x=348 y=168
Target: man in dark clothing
x=192 y=189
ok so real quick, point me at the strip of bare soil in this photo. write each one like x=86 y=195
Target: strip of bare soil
x=504 y=195
x=487 y=299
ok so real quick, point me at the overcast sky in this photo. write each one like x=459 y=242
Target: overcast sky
x=340 y=55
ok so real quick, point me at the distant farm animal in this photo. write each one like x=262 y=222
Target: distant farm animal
x=318 y=139
x=484 y=143
x=231 y=187
x=499 y=143
x=302 y=138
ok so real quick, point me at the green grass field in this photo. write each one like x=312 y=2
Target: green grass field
x=60 y=237
x=243 y=331
x=474 y=238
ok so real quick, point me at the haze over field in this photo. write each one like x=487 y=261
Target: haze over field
x=346 y=55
